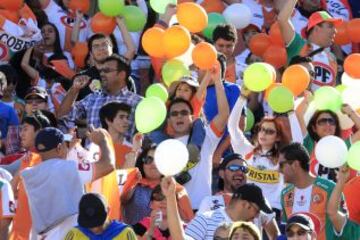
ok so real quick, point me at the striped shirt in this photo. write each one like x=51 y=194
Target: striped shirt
x=204 y=225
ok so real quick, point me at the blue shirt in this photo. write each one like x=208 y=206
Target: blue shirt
x=355 y=7
x=8 y=117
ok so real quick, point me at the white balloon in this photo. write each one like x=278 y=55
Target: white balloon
x=351 y=96
x=349 y=81
x=171 y=156
x=238 y=14
x=186 y=57
x=331 y=151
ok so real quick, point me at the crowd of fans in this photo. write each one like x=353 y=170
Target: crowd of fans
x=74 y=166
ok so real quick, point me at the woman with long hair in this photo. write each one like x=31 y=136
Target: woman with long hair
x=261 y=155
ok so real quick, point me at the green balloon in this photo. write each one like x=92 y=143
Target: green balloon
x=258 y=77
x=341 y=88
x=135 y=19
x=250 y=120
x=281 y=99
x=328 y=98
x=111 y=8
x=173 y=70
x=159 y=6
x=214 y=19
x=150 y=113
x=157 y=90
x=353 y=158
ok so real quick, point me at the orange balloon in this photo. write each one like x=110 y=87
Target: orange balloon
x=271 y=87
x=276 y=56
x=275 y=35
x=81 y=5
x=176 y=41
x=296 y=78
x=102 y=24
x=352 y=65
x=354 y=30
x=342 y=35
x=213 y=6
x=12 y=5
x=259 y=43
x=152 y=42
x=79 y=53
x=10 y=15
x=204 y=55
x=192 y=16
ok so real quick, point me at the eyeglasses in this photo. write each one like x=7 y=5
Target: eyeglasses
x=301 y=232
x=181 y=113
x=234 y=168
x=220 y=238
x=267 y=131
x=148 y=159
x=324 y=121
x=107 y=70
x=34 y=100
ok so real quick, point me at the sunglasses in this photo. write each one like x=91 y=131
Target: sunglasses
x=299 y=233
x=34 y=100
x=324 y=121
x=107 y=70
x=148 y=159
x=234 y=168
x=267 y=131
x=181 y=113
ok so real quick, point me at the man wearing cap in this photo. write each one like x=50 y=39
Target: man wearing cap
x=300 y=227
x=62 y=181
x=245 y=205
x=93 y=223
x=320 y=33
x=233 y=173
x=304 y=192
x=36 y=99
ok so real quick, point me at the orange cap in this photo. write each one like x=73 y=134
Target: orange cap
x=322 y=16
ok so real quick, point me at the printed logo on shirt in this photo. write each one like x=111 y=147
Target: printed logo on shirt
x=263 y=176
x=84 y=166
x=69 y=22
x=325 y=75
x=317 y=198
x=302 y=201
x=216 y=204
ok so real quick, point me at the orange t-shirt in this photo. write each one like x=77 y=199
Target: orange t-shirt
x=351 y=192
x=230 y=74
x=22 y=219
x=120 y=152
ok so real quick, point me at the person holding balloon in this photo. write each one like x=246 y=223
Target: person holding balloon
x=262 y=157
x=68 y=22
x=344 y=227
x=320 y=34
x=324 y=123
x=135 y=201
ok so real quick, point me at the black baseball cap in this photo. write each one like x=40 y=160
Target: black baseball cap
x=252 y=193
x=229 y=158
x=302 y=220
x=92 y=210
x=49 y=138
x=38 y=92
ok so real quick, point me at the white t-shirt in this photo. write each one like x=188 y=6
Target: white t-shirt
x=65 y=24
x=211 y=203
x=7 y=200
x=200 y=184
x=302 y=199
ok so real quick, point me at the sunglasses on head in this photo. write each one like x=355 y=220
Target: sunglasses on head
x=324 y=121
x=234 y=168
x=148 y=159
x=267 y=131
x=181 y=113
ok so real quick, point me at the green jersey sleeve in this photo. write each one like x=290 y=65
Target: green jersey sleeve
x=295 y=46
